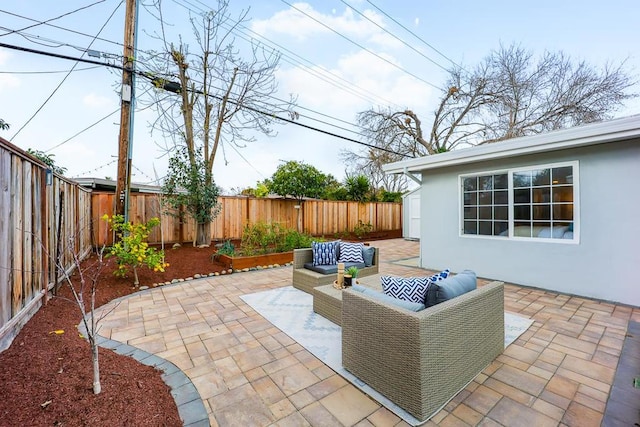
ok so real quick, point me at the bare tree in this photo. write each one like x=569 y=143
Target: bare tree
x=211 y=99
x=509 y=94
x=83 y=289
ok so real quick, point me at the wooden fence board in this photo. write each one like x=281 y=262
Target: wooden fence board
x=27 y=232
x=6 y=219
x=16 y=227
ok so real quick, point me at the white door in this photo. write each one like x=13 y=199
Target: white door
x=414 y=216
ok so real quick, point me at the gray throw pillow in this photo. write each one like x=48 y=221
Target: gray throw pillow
x=451 y=287
x=368 y=253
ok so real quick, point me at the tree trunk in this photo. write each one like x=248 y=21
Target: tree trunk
x=97 y=388
x=203 y=234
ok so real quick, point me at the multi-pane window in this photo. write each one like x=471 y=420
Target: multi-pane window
x=533 y=202
x=486 y=204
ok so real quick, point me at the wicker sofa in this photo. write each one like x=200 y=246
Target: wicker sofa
x=421 y=360
x=306 y=280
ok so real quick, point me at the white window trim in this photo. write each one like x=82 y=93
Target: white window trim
x=510 y=171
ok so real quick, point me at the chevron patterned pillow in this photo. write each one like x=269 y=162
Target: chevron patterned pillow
x=351 y=252
x=412 y=289
x=324 y=253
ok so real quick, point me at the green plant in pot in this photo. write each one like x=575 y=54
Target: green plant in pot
x=350 y=275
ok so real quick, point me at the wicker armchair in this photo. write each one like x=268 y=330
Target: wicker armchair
x=306 y=280
x=420 y=361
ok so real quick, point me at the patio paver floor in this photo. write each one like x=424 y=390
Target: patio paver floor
x=247 y=372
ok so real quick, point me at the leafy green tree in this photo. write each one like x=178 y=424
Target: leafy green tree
x=390 y=196
x=261 y=189
x=48 y=160
x=357 y=187
x=4 y=125
x=190 y=184
x=298 y=180
x=334 y=190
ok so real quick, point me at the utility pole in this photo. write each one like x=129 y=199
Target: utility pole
x=127 y=98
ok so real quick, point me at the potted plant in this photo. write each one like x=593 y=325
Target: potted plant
x=350 y=275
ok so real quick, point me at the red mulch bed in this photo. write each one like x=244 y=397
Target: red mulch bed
x=46 y=379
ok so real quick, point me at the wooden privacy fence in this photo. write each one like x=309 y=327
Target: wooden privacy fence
x=40 y=222
x=316 y=217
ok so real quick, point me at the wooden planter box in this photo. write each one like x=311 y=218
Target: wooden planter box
x=241 y=262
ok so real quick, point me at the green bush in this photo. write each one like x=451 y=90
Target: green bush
x=261 y=238
x=227 y=248
x=361 y=229
x=293 y=239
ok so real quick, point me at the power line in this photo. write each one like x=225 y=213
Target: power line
x=175 y=86
x=61 y=56
x=51 y=42
x=361 y=47
x=328 y=76
x=143 y=74
x=67 y=75
x=53 y=19
x=48 y=72
x=415 y=35
x=83 y=130
x=68 y=30
x=393 y=35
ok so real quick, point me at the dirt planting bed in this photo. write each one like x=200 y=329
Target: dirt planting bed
x=46 y=378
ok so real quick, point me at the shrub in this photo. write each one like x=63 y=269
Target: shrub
x=361 y=229
x=131 y=248
x=262 y=238
x=293 y=239
x=227 y=248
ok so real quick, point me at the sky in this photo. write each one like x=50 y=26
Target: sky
x=399 y=61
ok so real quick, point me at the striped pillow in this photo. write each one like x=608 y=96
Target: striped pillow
x=351 y=252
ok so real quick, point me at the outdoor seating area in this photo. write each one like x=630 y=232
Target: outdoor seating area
x=306 y=279
x=246 y=371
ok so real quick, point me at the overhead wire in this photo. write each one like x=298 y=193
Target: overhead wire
x=50 y=71
x=56 y=18
x=287 y=120
x=39 y=40
x=83 y=130
x=67 y=75
x=92 y=125
x=393 y=35
x=362 y=47
x=348 y=86
x=290 y=56
x=415 y=35
x=142 y=74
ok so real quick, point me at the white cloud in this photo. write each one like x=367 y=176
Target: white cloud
x=7 y=81
x=96 y=101
x=297 y=25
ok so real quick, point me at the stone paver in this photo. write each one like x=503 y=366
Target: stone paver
x=229 y=366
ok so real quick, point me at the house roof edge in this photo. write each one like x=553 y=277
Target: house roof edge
x=579 y=136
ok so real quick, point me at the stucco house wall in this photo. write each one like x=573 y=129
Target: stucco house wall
x=601 y=262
